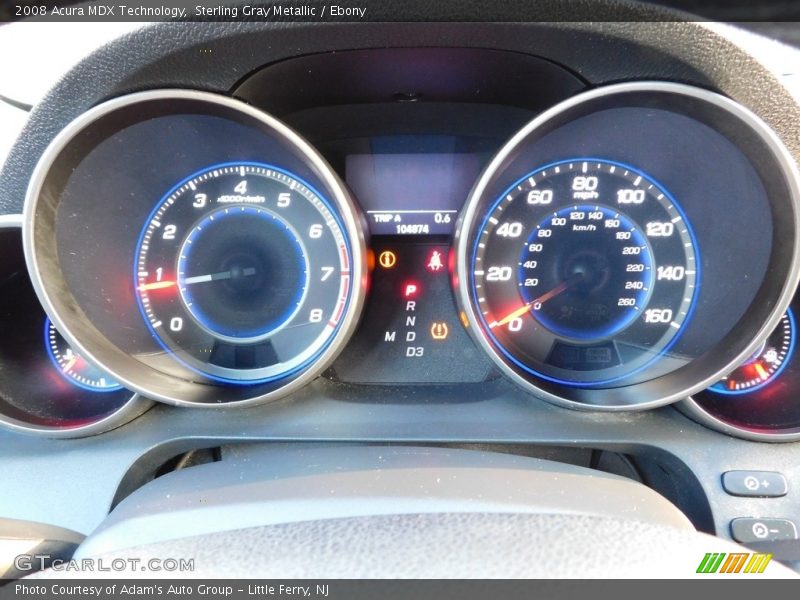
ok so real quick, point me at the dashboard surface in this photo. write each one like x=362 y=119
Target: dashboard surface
x=376 y=184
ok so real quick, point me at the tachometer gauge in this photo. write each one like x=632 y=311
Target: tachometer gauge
x=226 y=262
x=243 y=273
x=72 y=366
x=584 y=271
x=765 y=365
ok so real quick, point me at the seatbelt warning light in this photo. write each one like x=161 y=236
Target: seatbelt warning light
x=435 y=263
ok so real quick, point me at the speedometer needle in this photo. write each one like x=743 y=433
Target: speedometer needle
x=218 y=276
x=562 y=287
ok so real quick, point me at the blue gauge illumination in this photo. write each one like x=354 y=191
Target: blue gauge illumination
x=584 y=272
x=766 y=365
x=72 y=367
x=263 y=273
x=243 y=273
x=587 y=264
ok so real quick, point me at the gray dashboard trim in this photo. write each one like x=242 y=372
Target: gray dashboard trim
x=270 y=485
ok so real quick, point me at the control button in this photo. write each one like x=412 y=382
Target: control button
x=747 y=530
x=756 y=484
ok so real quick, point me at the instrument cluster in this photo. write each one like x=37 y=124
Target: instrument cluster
x=629 y=247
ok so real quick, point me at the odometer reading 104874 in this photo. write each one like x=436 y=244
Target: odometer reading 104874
x=584 y=272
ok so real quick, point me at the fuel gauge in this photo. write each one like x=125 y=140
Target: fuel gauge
x=74 y=368
x=765 y=365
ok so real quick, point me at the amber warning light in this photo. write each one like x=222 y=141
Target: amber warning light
x=387 y=259
x=439 y=331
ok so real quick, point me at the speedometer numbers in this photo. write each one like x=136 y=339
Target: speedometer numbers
x=243 y=273
x=583 y=272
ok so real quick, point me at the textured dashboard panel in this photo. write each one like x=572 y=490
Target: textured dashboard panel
x=466 y=545
x=215 y=56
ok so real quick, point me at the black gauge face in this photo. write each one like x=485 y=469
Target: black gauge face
x=243 y=273
x=758 y=397
x=584 y=272
x=45 y=386
x=73 y=367
x=765 y=366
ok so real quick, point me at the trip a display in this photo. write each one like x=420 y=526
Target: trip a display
x=412 y=194
x=243 y=273
x=584 y=271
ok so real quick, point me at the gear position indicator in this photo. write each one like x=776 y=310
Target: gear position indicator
x=417 y=338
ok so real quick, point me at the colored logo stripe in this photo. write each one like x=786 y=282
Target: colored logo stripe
x=713 y=562
x=758 y=563
x=734 y=562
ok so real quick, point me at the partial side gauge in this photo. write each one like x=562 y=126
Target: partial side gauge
x=72 y=367
x=766 y=364
x=758 y=399
x=46 y=387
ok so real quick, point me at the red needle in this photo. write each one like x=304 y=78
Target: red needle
x=762 y=372
x=563 y=286
x=158 y=285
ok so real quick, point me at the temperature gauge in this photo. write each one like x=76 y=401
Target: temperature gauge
x=72 y=367
x=765 y=365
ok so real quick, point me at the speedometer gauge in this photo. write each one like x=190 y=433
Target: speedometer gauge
x=608 y=254
x=584 y=270
x=242 y=272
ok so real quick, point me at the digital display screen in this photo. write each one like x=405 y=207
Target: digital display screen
x=412 y=194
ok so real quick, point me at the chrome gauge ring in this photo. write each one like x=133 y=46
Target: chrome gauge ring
x=592 y=264
x=246 y=251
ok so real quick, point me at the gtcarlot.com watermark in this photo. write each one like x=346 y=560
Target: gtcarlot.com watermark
x=37 y=562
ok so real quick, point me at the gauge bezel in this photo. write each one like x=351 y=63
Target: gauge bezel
x=774 y=294
x=62 y=308
x=134 y=407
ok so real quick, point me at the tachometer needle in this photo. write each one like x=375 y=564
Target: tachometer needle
x=562 y=287
x=70 y=363
x=156 y=285
x=217 y=276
